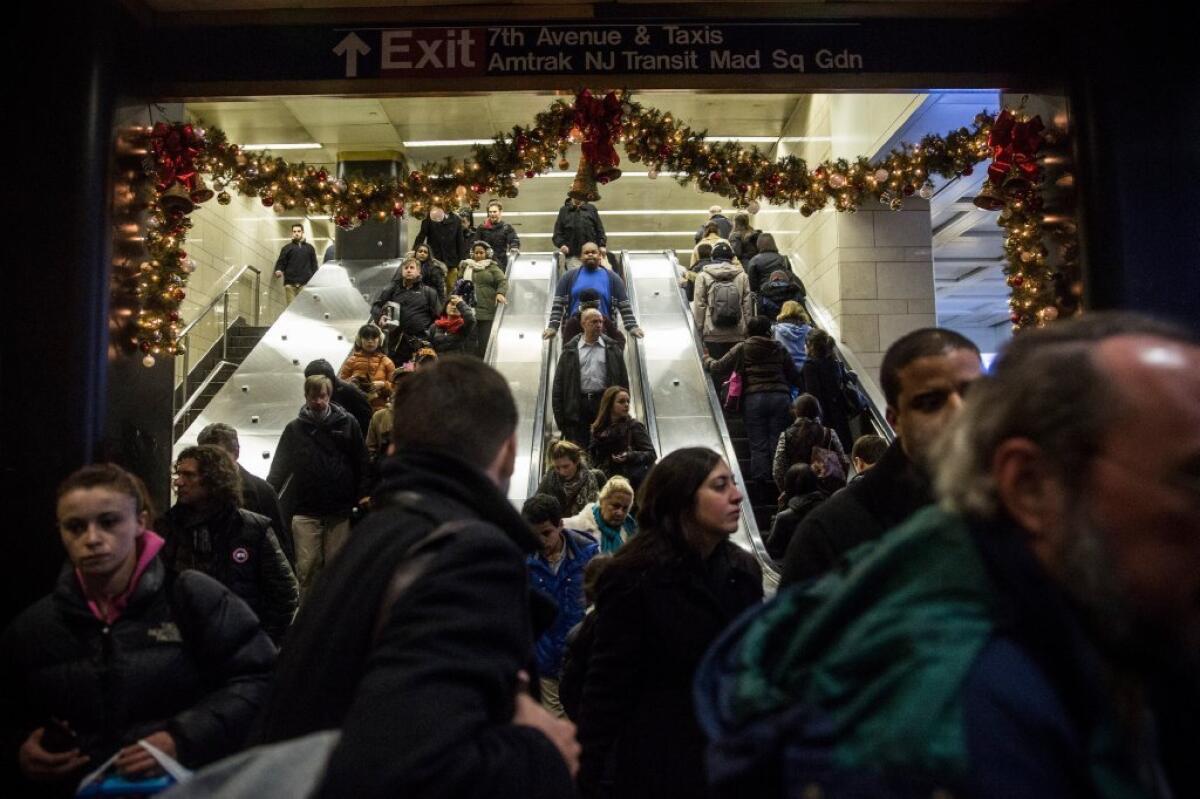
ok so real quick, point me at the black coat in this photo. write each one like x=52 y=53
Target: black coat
x=419 y=306
x=298 y=262
x=630 y=437
x=575 y=227
x=784 y=525
x=764 y=363
x=327 y=463
x=445 y=239
x=575 y=665
x=186 y=655
x=745 y=246
x=258 y=497
x=445 y=343
x=823 y=378
x=238 y=549
x=864 y=510
x=653 y=625
x=762 y=265
x=567 y=399
x=501 y=238
x=345 y=394
x=425 y=705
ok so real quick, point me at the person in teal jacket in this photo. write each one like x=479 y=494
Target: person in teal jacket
x=1037 y=635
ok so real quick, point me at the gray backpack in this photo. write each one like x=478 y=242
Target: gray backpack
x=726 y=302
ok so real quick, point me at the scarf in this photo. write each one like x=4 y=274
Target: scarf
x=572 y=487
x=610 y=537
x=451 y=324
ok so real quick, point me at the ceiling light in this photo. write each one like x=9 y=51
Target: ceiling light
x=448 y=142
x=308 y=145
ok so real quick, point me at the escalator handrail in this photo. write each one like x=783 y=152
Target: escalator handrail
x=498 y=319
x=543 y=426
x=770 y=573
x=637 y=349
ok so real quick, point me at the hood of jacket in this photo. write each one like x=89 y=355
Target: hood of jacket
x=792 y=333
x=723 y=270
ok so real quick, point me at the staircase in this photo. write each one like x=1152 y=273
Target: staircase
x=214 y=371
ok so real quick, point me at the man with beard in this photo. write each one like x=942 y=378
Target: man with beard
x=925 y=376
x=591 y=275
x=1037 y=635
x=418 y=640
x=206 y=530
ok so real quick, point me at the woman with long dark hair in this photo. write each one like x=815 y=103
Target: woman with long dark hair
x=620 y=444
x=668 y=593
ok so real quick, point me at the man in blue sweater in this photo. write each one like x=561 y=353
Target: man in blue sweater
x=591 y=275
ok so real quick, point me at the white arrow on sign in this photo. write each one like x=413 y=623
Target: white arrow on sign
x=352 y=47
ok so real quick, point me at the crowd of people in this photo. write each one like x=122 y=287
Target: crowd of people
x=1001 y=602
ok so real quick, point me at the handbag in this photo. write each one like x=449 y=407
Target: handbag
x=826 y=462
x=733 y=387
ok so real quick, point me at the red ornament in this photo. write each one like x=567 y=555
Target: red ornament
x=145 y=346
x=322 y=175
x=1016 y=318
x=363 y=214
x=909 y=190
x=715 y=177
x=342 y=221
x=173 y=316
x=664 y=151
x=529 y=173
x=967 y=171
x=1017 y=281
x=268 y=201
x=182 y=254
x=414 y=176
x=178 y=295
x=475 y=187
x=397 y=210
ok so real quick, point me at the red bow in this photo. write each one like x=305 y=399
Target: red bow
x=1014 y=143
x=175 y=148
x=600 y=123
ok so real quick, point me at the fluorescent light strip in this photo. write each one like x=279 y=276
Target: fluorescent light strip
x=447 y=142
x=311 y=145
x=624 y=233
x=655 y=211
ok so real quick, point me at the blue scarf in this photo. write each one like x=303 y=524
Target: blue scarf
x=610 y=537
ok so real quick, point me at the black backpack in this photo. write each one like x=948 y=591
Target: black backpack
x=726 y=302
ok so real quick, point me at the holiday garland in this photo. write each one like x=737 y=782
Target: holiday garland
x=164 y=163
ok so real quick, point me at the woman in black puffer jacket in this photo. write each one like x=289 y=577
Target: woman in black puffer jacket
x=120 y=652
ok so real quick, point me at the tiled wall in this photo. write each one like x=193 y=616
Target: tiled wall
x=222 y=240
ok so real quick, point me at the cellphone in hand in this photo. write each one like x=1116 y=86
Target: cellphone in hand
x=58 y=737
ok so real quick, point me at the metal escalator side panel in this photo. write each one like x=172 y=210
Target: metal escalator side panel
x=640 y=395
x=516 y=349
x=267 y=390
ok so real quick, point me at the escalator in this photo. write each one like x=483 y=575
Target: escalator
x=517 y=350
x=267 y=390
x=680 y=405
